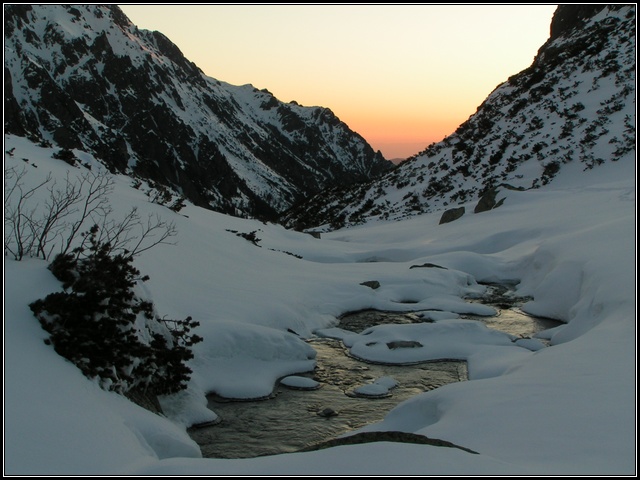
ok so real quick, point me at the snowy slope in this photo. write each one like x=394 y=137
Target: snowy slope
x=83 y=77
x=565 y=409
x=574 y=105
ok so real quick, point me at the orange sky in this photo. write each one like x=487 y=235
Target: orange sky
x=402 y=76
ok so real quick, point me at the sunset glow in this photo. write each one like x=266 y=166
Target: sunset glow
x=401 y=76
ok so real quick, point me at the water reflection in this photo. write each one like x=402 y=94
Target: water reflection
x=509 y=318
x=293 y=419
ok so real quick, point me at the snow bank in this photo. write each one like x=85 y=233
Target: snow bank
x=565 y=409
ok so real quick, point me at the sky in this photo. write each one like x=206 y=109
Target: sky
x=402 y=76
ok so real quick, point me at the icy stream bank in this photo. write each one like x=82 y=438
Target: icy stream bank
x=344 y=392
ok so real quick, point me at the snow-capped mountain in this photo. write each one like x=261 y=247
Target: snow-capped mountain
x=574 y=105
x=84 y=78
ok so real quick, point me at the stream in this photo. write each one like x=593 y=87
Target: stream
x=293 y=418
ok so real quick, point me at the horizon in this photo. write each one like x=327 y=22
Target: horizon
x=436 y=71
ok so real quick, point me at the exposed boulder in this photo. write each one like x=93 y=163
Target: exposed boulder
x=392 y=436
x=488 y=201
x=427 y=265
x=327 y=413
x=451 y=215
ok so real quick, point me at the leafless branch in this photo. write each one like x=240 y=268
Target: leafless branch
x=38 y=228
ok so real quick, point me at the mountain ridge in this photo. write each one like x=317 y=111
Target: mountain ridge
x=574 y=104
x=84 y=77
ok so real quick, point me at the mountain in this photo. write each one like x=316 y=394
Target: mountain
x=85 y=79
x=575 y=105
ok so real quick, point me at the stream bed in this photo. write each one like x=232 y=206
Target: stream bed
x=292 y=419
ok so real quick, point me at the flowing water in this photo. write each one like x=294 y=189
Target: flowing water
x=509 y=318
x=292 y=419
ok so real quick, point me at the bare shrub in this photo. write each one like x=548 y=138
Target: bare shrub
x=47 y=218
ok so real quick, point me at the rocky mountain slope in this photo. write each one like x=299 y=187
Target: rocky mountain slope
x=84 y=78
x=574 y=105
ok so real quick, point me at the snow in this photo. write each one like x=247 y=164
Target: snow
x=453 y=339
x=295 y=381
x=532 y=344
x=527 y=408
x=379 y=387
x=371 y=390
x=245 y=361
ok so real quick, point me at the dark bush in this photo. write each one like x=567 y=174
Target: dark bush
x=550 y=170
x=111 y=335
x=66 y=155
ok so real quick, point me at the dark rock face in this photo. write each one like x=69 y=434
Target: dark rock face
x=522 y=135
x=84 y=77
x=568 y=17
x=11 y=107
